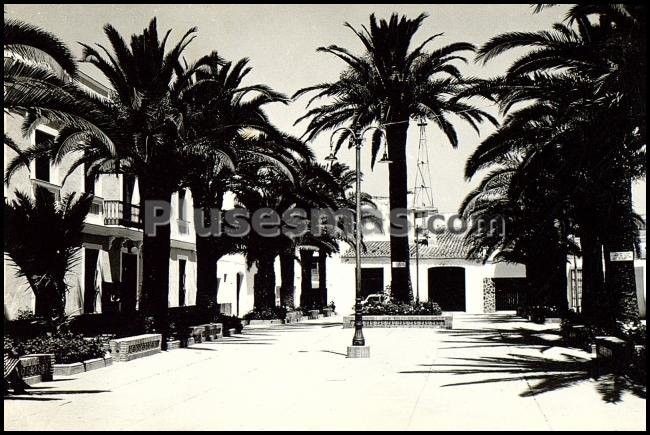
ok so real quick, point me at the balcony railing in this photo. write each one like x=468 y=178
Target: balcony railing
x=122 y=213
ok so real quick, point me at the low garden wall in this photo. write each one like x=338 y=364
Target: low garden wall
x=36 y=368
x=423 y=321
x=129 y=348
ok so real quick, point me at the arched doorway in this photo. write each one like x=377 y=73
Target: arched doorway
x=447 y=287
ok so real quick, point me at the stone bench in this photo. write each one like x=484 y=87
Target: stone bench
x=37 y=367
x=293 y=317
x=211 y=331
x=197 y=333
x=138 y=346
x=424 y=321
x=328 y=312
x=578 y=336
x=313 y=314
x=612 y=352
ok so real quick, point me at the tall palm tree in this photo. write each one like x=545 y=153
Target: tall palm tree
x=389 y=84
x=606 y=52
x=135 y=131
x=42 y=238
x=31 y=56
x=224 y=124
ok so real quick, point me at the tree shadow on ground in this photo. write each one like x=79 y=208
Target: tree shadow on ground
x=494 y=337
x=542 y=374
x=37 y=394
x=494 y=319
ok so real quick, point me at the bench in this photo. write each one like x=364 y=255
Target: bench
x=138 y=346
x=328 y=312
x=293 y=317
x=211 y=331
x=37 y=367
x=313 y=314
x=197 y=333
x=612 y=351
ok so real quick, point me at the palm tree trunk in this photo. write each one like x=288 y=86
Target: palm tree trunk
x=619 y=275
x=593 y=299
x=49 y=301
x=322 y=277
x=287 y=276
x=206 y=273
x=306 y=291
x=156 y=248
x=397 y=186
x=264 y=283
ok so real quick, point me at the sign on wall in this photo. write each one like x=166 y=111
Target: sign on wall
x=621 y=256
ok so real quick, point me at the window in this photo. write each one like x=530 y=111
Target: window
x=42 y=164
x=181 y=283
x=89 y=183
x=576 y=289
x=181 y=205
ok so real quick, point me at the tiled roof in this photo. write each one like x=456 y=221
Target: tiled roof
x=445 y=245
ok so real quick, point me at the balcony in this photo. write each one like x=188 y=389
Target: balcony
x=121 y=213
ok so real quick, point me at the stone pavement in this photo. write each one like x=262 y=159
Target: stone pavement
x=490 y=372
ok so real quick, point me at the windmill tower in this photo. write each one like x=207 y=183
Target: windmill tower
x=422 y=201
x=423 y=205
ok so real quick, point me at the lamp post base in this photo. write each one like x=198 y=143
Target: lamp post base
x=358 y=351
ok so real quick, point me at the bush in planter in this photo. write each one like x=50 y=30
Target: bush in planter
x=392 y=309
x=230 y=322
x=266 y=314
x=67 y=348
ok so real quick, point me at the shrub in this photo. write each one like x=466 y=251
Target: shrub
x=266 y=314
x=67 y=348
x=229 y=322
x=393 y=309
x=633 y=332
x=181 y=318
x=118 y=324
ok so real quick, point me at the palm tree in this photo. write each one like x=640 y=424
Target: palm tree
x=135 y=131
x=224 y=123
x=606 y=52
x=31 y=56
x=389 y=84
x=42 y=238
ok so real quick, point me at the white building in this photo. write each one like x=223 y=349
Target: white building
x=108 y=276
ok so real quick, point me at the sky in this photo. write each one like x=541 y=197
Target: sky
x=281 y=43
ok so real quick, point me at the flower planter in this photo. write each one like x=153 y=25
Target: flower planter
x=37 y=368
x=173 y=344
x=84 y=366
x=138 y=346
x=259 y=322
x=578 y=336
x=293 y=317
x=424 y=321
x=69 y=369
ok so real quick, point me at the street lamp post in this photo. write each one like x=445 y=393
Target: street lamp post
x=358 y=348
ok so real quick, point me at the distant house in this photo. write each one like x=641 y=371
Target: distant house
x=444 y=274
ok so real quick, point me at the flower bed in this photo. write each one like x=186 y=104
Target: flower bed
x=392 y=309
x=275 y=313
x=67 y=348
x=401 y=321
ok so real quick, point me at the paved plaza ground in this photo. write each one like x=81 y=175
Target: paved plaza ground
x=489 y=372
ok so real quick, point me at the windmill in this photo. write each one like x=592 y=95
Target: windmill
x=422 y=201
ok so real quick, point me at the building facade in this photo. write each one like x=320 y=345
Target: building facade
x=108 y=275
